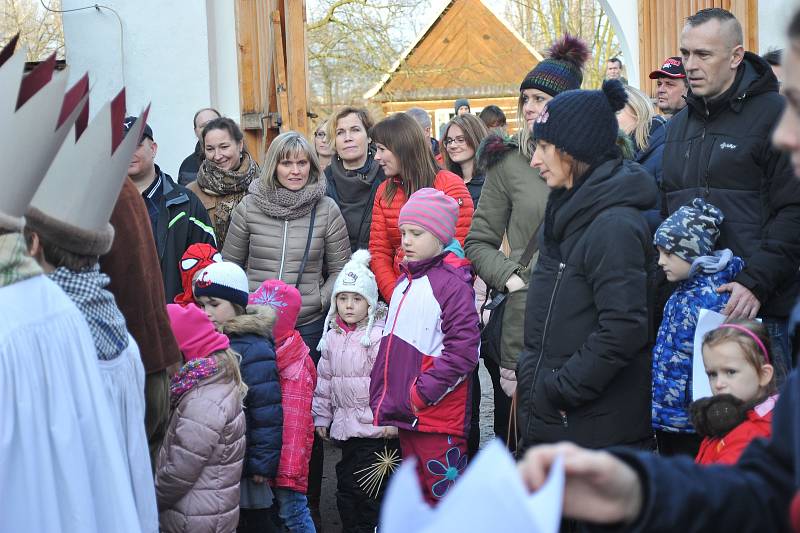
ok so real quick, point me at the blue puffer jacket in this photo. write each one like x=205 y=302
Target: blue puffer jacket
x=250 y=337
x=672 y=354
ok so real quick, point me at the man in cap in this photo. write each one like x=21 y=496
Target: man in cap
x=671 y=85
x=177 y=216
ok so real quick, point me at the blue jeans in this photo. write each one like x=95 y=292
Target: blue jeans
x=293 y=510
x=781 y=355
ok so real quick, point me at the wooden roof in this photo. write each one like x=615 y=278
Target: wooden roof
x=466 y=51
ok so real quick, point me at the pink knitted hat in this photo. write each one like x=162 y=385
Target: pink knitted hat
x=196 y=335
x=284 y=299
x=432 y=210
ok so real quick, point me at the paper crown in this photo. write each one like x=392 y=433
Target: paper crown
x=489 y=494
x=73 y=204
x=37 y=116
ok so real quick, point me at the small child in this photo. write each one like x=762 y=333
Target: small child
x=194 y=259
x=298 y=378
x=737 y=360
x=349 y=346
x=200 y=462
x=221 y=291
x=421 y=378
x=685 y=242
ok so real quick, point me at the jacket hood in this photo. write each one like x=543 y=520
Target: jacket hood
x=259 y=320
x=614 y=183
x=756 y=78
x=494 y=147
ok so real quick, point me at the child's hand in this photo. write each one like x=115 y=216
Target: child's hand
x=259 y=480
x=322 y=432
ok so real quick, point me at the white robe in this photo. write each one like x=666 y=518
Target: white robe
x=123 y=379
x=61 y=466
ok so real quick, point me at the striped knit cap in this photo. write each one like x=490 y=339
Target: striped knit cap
x=562 y=70
x=432 y=210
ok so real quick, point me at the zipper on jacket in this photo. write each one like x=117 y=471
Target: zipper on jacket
x=283 y=249
x=561 y=267
x=386 y=363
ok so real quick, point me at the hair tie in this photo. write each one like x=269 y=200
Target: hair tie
x=752 y=336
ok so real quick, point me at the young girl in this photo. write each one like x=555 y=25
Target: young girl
x=349 y=347
x=421 y=378
x=298 y=377
x=738 y=364
x=221 y=291
x=200 y=462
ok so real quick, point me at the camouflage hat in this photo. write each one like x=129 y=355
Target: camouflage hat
x=691 y=231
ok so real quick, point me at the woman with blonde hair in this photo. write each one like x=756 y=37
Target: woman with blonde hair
x=353 y=175
x=647 y=130
x=287 y=229
x=322 y=145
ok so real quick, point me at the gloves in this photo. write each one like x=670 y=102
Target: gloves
x=508 y=381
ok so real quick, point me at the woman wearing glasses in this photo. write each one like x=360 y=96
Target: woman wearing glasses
x=353 y=174
x=322 y=145
x=462 y=136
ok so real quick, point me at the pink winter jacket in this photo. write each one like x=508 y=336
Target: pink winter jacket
x=200 y=462
x=341 y=400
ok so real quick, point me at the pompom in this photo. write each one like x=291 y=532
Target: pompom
x=361 y=257
x=615 y=94
x=570 y=48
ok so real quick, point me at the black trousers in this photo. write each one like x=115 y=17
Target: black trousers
x=358 y=510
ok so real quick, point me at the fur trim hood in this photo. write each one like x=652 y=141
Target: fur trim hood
x=494 y=148
x=258 y=320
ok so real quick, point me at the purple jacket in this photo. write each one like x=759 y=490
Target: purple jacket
x=430 y=345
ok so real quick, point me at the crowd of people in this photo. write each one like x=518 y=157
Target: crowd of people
x=178 y=353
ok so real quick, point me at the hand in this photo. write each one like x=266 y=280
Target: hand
x=598 y=487
x=389 y=432
x=508 y=381
x=259 y=480
x=742 y=304
x=514 y=283
x=322 y=432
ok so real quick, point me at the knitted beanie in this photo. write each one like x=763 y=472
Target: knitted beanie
x=582 y=123
x=691 y=231
x=196 y=335
x=358 y=278
x=225 y=280
x=460 y=102
x=284 y=299
x=562 y=70
x=432 y=210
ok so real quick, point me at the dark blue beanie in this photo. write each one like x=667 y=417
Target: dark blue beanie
x=582 y=123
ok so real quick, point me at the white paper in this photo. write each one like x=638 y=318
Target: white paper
x=488 y=496
x=706 y=321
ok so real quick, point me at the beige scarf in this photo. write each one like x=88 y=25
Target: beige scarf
x=284 y=204
x=229 y=186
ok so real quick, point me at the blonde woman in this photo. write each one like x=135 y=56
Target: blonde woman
x=647 y=130
x=322 y=145
x=287 y=229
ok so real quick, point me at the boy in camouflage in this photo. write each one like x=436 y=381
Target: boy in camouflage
x=685 y=243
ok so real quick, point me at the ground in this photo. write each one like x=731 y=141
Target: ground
x=330 y=515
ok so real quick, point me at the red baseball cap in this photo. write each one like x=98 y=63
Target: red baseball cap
x=672 y=68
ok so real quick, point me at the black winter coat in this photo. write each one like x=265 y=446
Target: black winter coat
x=586 y=318
x=262 y=405
x=357 y=218
x=723 y=153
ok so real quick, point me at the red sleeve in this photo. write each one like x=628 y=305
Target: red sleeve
x=454 y=187
x=380 y=248
x=732 y=445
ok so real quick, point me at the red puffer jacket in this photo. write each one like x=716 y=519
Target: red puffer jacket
x=384 y=237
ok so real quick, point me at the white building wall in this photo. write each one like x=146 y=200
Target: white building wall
x=624 y=16
x=162 y=57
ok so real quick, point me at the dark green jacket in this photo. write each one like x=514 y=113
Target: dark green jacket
x=513 y=202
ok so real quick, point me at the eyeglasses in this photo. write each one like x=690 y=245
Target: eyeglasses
x=457 y=140
x=320 y=135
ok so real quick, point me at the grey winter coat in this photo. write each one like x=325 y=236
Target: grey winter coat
x=200 y=462
x=269 y=248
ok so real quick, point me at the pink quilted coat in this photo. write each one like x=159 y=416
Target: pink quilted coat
x=200 y=462
x=341 y=400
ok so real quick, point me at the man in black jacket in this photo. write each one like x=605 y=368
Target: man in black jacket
x=177 y=216
x=718 y=148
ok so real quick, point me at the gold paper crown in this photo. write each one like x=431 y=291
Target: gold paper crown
x=36 y=116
